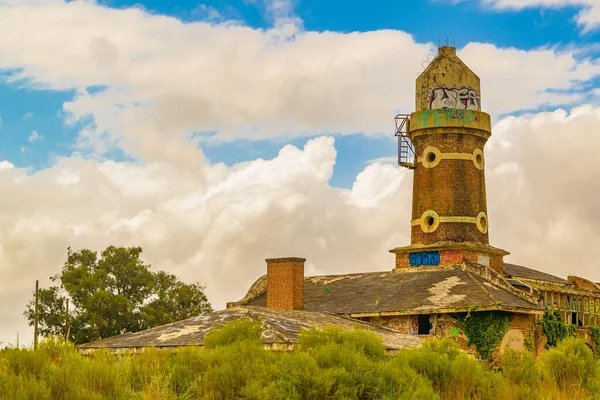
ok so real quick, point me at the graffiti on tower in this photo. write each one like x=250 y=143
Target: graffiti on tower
x=445 y=117
x=457 y=97
x=424 y=258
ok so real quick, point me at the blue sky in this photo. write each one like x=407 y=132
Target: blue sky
x=25 y=110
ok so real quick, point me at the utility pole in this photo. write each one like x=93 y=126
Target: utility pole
x=35 y=321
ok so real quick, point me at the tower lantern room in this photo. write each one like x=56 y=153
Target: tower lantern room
x=447 y=134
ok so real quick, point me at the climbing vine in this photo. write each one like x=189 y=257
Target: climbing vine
x=485 y=330
x=555 y=329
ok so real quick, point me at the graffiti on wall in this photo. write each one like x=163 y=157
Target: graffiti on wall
x=424 y=258
x=414 y=326
x=452 y=256
x=444 y=117
x=458 y=97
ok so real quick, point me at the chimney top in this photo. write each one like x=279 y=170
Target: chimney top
x=285 y=259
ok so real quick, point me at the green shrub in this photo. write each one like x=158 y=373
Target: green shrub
x=329 y=363
x=360 y=340
x=235 y=331
x=570 y=365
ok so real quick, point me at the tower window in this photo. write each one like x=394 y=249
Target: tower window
x=479 y=158
x=482 y=222
x=431 y=157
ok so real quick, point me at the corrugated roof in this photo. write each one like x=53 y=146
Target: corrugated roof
x=543 y=286
x=425 y=290
x=280 y=327
x=519 y=271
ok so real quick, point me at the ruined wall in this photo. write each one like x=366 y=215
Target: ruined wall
x=522 y=333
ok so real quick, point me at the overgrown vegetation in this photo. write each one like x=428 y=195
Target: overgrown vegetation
x=327 y=364
x=555 y=329
x=485 y=330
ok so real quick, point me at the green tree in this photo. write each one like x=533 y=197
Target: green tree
x=111 y=294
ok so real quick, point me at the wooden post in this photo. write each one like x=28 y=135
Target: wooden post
x=35 y=321
x=67 y=326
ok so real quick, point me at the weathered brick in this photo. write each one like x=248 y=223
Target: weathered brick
x=285 y=283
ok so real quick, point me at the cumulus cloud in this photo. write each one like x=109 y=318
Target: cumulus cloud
x=164 y=79
x=588 y=17
x=217 y=224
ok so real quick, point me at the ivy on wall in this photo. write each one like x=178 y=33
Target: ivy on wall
x=555 y=329
x=485 y=330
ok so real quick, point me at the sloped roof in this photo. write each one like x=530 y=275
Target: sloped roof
x=280 y=327
x=411 y=292
x=519 y=271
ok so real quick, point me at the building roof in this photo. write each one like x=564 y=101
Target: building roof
x=281 y=329
x=411 y=292
x=518 y=271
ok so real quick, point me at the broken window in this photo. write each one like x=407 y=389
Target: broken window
x=424 y=324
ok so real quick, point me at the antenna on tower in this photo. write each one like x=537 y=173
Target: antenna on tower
x=454 y=42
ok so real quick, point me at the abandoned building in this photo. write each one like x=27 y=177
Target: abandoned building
x=449 y=267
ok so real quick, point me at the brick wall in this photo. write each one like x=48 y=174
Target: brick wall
x=452 y=188
x=285 y=283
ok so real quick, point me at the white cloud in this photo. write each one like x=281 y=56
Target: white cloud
x=166 y=79
x=588 y=17
x=208 y=13
x=384 y=160
x=34 y=136
x=4 y=165
x=216 y=224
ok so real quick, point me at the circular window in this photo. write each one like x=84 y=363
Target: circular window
x=482 y=222
x=431 y=157
x=430 y=220
x=478 y=158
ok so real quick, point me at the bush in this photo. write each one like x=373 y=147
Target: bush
x=329 y=363
x=570 y=366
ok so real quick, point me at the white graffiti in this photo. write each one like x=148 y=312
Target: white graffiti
x=457 y=97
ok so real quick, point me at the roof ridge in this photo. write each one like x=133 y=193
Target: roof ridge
x=481 y=286
x=267 y=325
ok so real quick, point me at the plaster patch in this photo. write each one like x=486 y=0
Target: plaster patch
x=513 y=339
x=440 y=293
x=326 y=281
x=186 y=330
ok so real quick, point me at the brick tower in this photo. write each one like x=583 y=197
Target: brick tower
x=443 y=142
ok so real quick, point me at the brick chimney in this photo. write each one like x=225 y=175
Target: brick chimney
x=285 y=283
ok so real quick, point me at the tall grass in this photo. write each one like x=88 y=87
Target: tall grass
x=327 y=364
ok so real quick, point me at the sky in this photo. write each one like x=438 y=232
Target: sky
x=217 y=134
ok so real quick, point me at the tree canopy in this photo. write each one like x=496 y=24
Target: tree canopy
x=110 y=294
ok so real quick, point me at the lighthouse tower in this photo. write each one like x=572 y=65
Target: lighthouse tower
x=443 y=142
